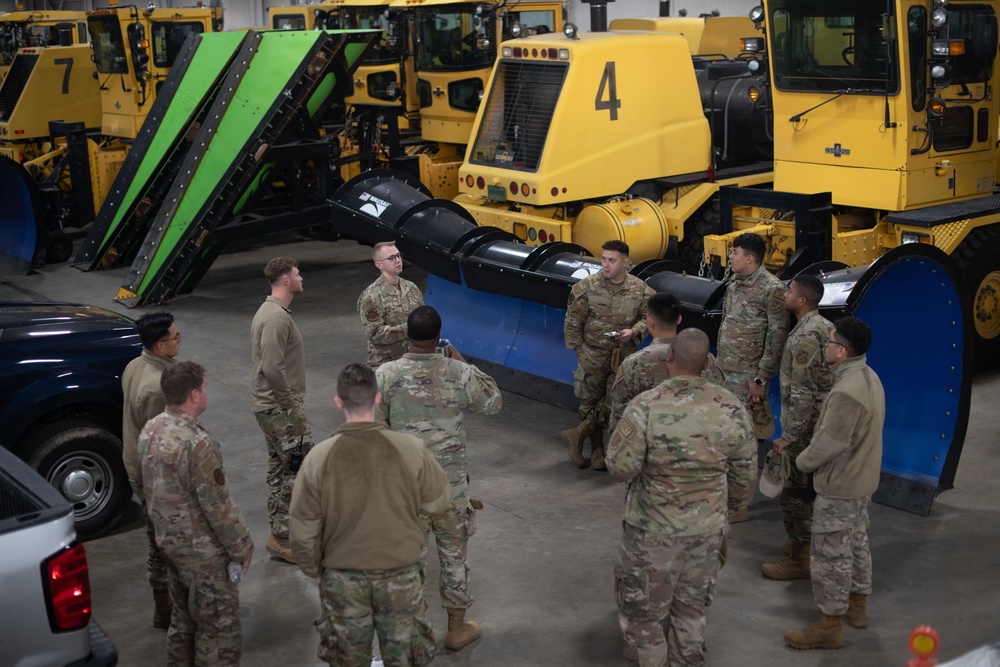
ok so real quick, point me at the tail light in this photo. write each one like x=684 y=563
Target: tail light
x=67 y=585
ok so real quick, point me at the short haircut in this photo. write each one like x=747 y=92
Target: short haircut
x=690 y=350
x=616 y=245
x=179 y=380
x=356 y=387
x=424 y=323
x=810 y=287
x=752 y=244
x=379 y=246
x=665 y=309
x=854 y=333
x=278 y=267
x=153 y=327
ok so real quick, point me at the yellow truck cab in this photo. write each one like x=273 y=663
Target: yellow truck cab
x=133 y=51
x=24 y=29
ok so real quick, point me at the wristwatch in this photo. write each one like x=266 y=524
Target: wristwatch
x=759 y=382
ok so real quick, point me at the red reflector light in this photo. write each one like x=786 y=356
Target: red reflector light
x=534 y=53
x=555 y=191
x=18 y=131
x=513 y=187
x=525 y=189
x=480 y=183
x=469 y=180
x=542 y=236
x=68 y=584
x=517 y=51
x=553 y=54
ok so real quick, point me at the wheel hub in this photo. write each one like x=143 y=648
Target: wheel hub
x=986 y=309
x=78 y=485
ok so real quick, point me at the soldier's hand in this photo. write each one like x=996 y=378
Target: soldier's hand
x=756 y=393
x=246 y=563
x=625 y=335
x=779 y=444
x=476 y=503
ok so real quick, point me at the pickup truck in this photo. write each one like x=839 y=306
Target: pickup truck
x=61 y=402
x=45 y=612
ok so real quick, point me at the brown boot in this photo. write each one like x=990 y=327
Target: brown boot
x=794 y=566
x=162 y=608
x=279 y=549
x=857 y=611
x=574 y=437
x=597 y=452
x=827 y=632
x=461 y=633
x=739 y=516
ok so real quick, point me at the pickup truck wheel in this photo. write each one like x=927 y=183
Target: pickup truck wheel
x=84 y=464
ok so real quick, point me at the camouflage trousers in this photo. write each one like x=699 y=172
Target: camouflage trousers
x=662 y=586
x=156 y=565
x=358 y=603
x=451 y=535
x=283 y=433
x=796 y=513
x=592 y=379
x=738 y=383
x=840 y=559
x=205 y=620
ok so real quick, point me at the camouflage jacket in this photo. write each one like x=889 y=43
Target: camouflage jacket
x=688 y=451
x=596 y=305
x=425 y=394
x=644 y=370
x=846 y=449
x=143 y=401
x=384 y=309
x=754 y=324
x=805 y=377
x=278 y=356
x=193 y=515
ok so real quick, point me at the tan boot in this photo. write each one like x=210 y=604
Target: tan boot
x=739 y=516
x=279 y=549
x=827 y=632
x=461 y=633
x=162 y=608
x=794 y=566
x=574 y=437
x=597 y=451
x=857 y=611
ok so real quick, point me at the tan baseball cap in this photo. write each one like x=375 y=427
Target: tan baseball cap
x=777 y=467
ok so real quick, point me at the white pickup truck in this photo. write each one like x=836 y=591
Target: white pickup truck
x=44 y=584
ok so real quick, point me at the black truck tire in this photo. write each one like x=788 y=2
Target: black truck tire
x=705 y=221
x=84 y=464
x=978 y=258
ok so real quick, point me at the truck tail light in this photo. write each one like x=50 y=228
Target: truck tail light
x=67 y=583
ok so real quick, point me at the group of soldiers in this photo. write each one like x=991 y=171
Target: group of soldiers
x=354 y=511
x=686 y=432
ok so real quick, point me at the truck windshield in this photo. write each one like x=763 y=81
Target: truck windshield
x=518 y=113
x=362 y=18
x=22 y=34
x=822 y=46
x=168 y=38
x=453 y=40
x=109 y=47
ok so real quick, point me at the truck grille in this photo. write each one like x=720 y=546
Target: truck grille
x=13 y=85
x=519 y=112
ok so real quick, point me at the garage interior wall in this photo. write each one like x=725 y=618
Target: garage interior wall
x=252 y=13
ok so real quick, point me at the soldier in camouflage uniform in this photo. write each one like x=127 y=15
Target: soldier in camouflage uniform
x=279 y=386
x=754 y=327
x=845 y=457
x=363 y=542
x=143 y=400
x=605 y=320
x=643 y=370
x=686 y=450
x=385 y=304
x=424 y=393
x=805 y=379
x=197 y=526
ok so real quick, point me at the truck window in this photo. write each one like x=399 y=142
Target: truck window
x=821 y=46
x=288 y=22
x=448 y=41
x=168 y=38
x=109 y=47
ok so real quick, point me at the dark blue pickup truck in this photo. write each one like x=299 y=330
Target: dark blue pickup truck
x=61 y=401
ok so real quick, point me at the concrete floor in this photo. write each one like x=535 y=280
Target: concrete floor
x=543 y=557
